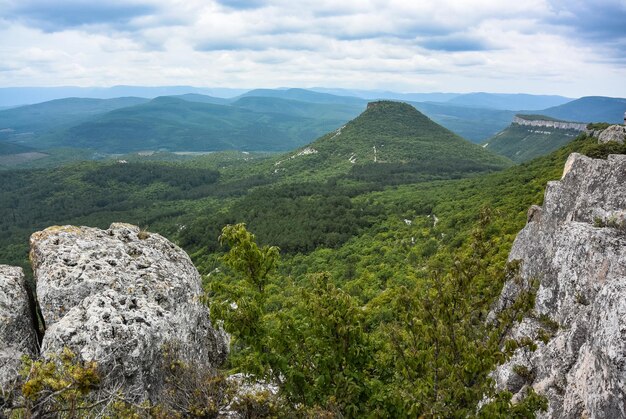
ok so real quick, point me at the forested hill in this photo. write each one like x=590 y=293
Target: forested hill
x=522 y=143
x=390 y=140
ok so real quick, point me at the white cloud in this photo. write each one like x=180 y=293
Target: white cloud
x=445 y=45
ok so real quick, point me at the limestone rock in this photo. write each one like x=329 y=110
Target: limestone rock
x=122 y=297
x=17 y=333
x=615 y=133
x=577 y=250
x=247 y=387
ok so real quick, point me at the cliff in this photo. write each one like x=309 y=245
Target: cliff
x=519 y=120
x=575 y=246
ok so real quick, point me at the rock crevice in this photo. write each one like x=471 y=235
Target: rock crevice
x=17 y=331
x=121 y=297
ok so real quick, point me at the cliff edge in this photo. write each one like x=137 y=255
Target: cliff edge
x=575 y=246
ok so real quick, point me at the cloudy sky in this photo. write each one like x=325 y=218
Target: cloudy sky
x=567 y=47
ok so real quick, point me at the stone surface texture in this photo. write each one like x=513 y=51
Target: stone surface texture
x=122 y=297
x=549 y=124
x=615 y=133
x=17 y=334
x=575 y=245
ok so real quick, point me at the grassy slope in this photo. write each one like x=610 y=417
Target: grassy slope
x=523 y=143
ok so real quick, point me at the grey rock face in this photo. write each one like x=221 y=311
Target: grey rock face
x=17 y=334
x=615 y=133
x=121 y=297
x=549 y=124
x=577 y=250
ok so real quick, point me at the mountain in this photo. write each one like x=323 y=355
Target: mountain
x=316 y=110
x=12 y=96
x=35 y=119
x=505 y=101
x=10 y=148
x=474 y=124
x=305 y=95
x=390 y=140
x=195 y=97
x=385 y=94
x=169 y=123
x=531 y=136
x=590 y=109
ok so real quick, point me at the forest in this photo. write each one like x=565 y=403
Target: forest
x=360 y=294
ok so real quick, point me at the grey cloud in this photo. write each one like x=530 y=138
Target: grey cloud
x=242 y=4
x=455 y=43
x=600 y=21
x=64 y=14
x=284 y=41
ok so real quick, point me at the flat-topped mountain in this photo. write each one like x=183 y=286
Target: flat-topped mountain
x=531 y=136
x=390 y=139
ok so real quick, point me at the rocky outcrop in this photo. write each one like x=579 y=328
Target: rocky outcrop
x=616 y=133
x=575 y=245
x=122 y=297
x=577 y=126
x=17 y=333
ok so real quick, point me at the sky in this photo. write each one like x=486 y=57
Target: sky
x=568 y=47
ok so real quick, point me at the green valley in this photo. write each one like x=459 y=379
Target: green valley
x=380 y=248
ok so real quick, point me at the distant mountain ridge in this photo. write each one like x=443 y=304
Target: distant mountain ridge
x=506 y=101
x=590 y=109
x=60 y=112
x=257 y=120
x=169 y=123
x=305 y=95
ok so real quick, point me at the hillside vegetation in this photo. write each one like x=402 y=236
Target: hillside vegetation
x=522 y=143
x=390 y=141
x=385 y=286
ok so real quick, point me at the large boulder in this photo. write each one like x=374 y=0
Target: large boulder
x=616 y=133
x=17 y=333
x=124 y=298
x=575 y=246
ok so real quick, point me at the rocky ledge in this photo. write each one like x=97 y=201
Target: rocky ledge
x=121 y=297
x=575 y=246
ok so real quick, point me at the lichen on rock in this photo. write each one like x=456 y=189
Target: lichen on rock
x=121 y=297
x=616 y=133
x=577 y=250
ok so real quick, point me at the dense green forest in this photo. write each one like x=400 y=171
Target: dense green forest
x=375 y=298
